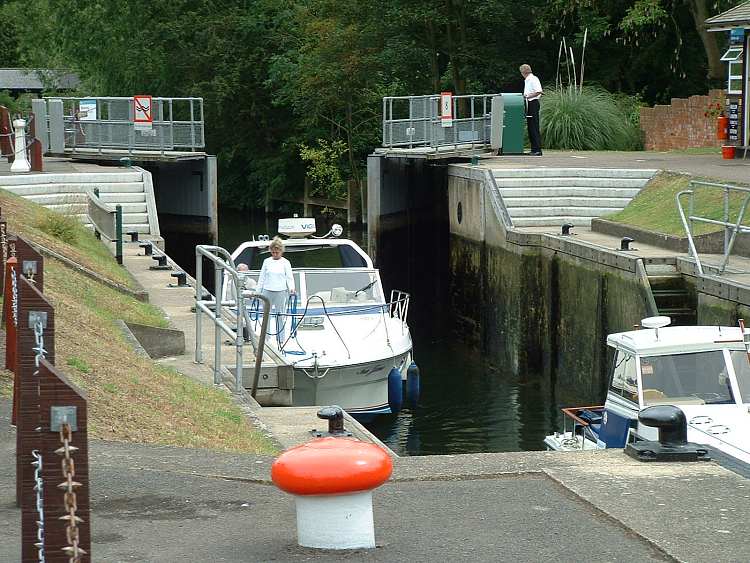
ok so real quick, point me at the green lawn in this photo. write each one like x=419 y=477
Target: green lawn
x=655 y=208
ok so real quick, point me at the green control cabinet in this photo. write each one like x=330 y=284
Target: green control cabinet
x=508 y=123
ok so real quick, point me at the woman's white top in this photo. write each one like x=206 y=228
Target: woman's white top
x=276 y=275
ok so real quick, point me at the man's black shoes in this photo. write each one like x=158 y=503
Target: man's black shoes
x=535 y=153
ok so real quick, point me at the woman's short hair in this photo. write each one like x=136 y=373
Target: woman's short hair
x=276 y=243
x=524 y=68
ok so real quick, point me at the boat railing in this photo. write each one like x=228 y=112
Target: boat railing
x=579 y=424
x=293 y=317
x=398 y=308
x=731 y=228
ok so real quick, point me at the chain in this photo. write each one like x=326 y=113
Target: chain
x=69 y=497
x=14 y=280
x=39 y=488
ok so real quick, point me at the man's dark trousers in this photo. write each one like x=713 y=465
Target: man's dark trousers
x=532 y=122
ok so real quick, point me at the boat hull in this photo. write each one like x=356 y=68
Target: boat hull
x=360 y=389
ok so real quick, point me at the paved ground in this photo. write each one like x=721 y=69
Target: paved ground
x=161 y=504
x=704 y=165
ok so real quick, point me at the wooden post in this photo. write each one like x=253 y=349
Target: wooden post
x=30 y=263
x=7 y=145
x=306 y=199
x=32 y=306
x=60 y=397
x=351 y=202
x=3 y=251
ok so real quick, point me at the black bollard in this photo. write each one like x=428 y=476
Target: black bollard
x=672 y=444
x=133 y=236
x=148 y=248
x=625 y=243
x=181 y=279
x=335 y=417
x=161 y=262
x=566 y=228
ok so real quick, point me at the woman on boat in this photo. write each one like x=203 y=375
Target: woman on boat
x=276 y=282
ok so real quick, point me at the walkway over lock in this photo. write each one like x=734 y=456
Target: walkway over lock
x=441 y=123
x=166 y=127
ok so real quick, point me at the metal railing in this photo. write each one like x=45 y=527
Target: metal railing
x=415 y=121
x=222 y=261
x=177 y=124
x=731 y=229
x=107 y=221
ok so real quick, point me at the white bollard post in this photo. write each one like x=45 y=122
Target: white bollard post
x=332 y=480
x=21 y=162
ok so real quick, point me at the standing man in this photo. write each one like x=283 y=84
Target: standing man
x=532 y=91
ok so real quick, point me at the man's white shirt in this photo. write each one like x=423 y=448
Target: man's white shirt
x=531 y=84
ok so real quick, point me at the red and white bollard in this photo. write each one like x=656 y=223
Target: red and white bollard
x=332 y=480
x=21 y=162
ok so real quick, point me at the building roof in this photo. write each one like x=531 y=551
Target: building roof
x=37 y=79
x=739 y=16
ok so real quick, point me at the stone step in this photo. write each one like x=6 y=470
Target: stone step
x=572 y=191
x=561 y=211
x=71 y=178
x=551 y=221
x=127 y=218
x=39 y=189
x=69 y=198
x=142 y=228
x=656 y=270
x=560 y=182
x=573 y=172
x=611 y=202
x=82 y=208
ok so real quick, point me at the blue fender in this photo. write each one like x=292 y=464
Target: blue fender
x=395 y=390
x=413 y=384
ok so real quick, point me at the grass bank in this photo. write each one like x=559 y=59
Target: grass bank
x=130 y=398
x=655 y=208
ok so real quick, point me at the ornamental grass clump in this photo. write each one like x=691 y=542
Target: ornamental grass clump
x=588 y=119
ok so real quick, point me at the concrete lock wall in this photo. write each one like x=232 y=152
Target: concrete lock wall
x=526 y=306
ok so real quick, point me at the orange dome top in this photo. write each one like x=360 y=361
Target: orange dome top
x=328 y=466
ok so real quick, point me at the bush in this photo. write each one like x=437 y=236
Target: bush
x=63 y=227
x=591 y=119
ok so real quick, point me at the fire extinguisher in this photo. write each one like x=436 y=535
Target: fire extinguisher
x=722 y=127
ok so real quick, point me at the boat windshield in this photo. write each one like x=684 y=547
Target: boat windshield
x=686 y=379
x=344 y=288
x=742 y=371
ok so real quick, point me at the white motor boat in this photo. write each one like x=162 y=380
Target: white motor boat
x=702 y=370
x=343 y=342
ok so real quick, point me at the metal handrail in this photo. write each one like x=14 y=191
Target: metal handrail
x=430 y=121
x=223 y=261
x=731 y=229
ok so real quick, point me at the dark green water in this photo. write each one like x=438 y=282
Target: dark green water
x=466 y=405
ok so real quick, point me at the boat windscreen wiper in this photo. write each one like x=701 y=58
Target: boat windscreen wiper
x=368 y=286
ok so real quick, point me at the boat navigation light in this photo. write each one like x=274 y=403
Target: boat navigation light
x=336 y=230
x=656 y=323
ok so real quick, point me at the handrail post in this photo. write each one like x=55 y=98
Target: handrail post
x=693 y=251
x=198 y=311
x=735 y=230
x=218 y=271
x=118 y=234
x=726 y=220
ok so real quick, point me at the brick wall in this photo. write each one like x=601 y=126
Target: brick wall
x=682 y=124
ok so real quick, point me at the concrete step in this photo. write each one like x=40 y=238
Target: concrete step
x=71 y=178
x=127 y=218
x=577 y=182
x=611 y=202
x=663 y=270
x=572 y=191
x=573 y=173
x=561 y=211
x=39 y=189
x=142 y=228
x=113 y=198
x=551 y=221
x=81 y=208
